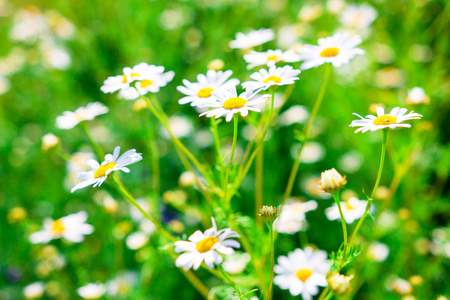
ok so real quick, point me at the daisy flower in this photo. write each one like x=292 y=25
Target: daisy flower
x=302 y=272
x=268 y=58
x=122 y=82
x=71 y=227
x=201 y=91
x=264 y=79
x=206 y=247
x=91 y=291
x=292 y=218
x=352 y=209
x=358 y=16
x=337 y=49
x=392 y=120
x=252 y=39
x=229 y=103
x=417 y=95
x=112 y=163
x=70 y=119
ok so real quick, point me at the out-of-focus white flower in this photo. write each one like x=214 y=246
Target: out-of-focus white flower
x=311 y=153
x=295 y=114
x=29 y=25
x=5 y=86
x=91 y=291
x=292 y=218
x=187 y=178
x=200 y=92
x=49 y=141
x=70 y=119
x=378 y=252
x=136 y=214
x=137 y=240
x=264 y=79
x=216 y=64
x=302 y=272
x=252 y=39
x=55 y=57
x=113 y=162
x=309 y=13
x=401 y=287
x=34 y=290
x=13 y=62
x=338 y=49
x=358 y=16
x=417 y=96
x=62 y=27
x=352 y=209
x=236 y=263
x=122 y=284
x=71 y=227
x=351 y=161
x=206 y=247
x=229 y=103
x=180 y=127
x=335 y=6
x=392 y=120
x=268 y=58
x=389 y=77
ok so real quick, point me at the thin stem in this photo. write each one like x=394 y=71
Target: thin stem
x=272 y=259
x=231 y=282
x=154 y=155
x=306 y=133
x=126 y=194
x=98 y=150
x=216 y=141
x=324 y=293
x=337 y=199
x=259 y=169
x=233 y=148
x=377 y=182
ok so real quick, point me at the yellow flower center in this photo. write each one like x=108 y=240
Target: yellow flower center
x=385 y=120
x=205 y=92
x=124 y=78
x=275 y=79
x=236 y=102
x=145 y=83
x=348 y=205
x=58 y=227
x=206 y=244
x=272 y=57
x=101 y=171
x=81 y=115
x=329 y=52
x=304 y=274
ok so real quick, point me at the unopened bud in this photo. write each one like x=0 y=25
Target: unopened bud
x=340 y=284
x=268 y=213
x=331 y=181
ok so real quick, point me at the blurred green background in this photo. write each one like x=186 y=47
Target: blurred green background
x=406 y=46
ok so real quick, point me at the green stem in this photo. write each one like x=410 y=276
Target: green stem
x=154 y=155
x=98 y=150
x=272 y=260
x=231 y=282
x=126 y=194
x=259 y=169
x=324 y=293
x=216 y=141
x=337 y=199
x=233 y=148
x=377 y=182
x=306 y=133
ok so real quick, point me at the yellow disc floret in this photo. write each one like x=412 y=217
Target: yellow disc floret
x=233 y=103
x=385 y=120
x=329 y=52
x=101 y=171
x=206 y=244
x=145 y=83
x=275 y=79
x=272 y=57
x=205 y=92
x=303 y=274
x=58 y=227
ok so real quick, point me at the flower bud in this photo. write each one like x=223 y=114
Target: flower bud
x=49 y=141
x=340 y=284
x=331 y=181
x=268 y=213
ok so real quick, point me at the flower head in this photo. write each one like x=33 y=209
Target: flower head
x=206 y=247
x=146 y=78
x=112 y=162
x=352 y=209
x=417 y=96
x=49 y=141
x=340 y=284
x=229 y=103
x=91 y=291
x=252 y=39
x=268 y=213
x=292 y=218
x=331 y=181
x=71 y=227
x=264 y=79
x=337 y=49
x=70 y=119
x=358 y=16
x=392 y=120
x=302 y=272
x=201 y=91
x=268 y=58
